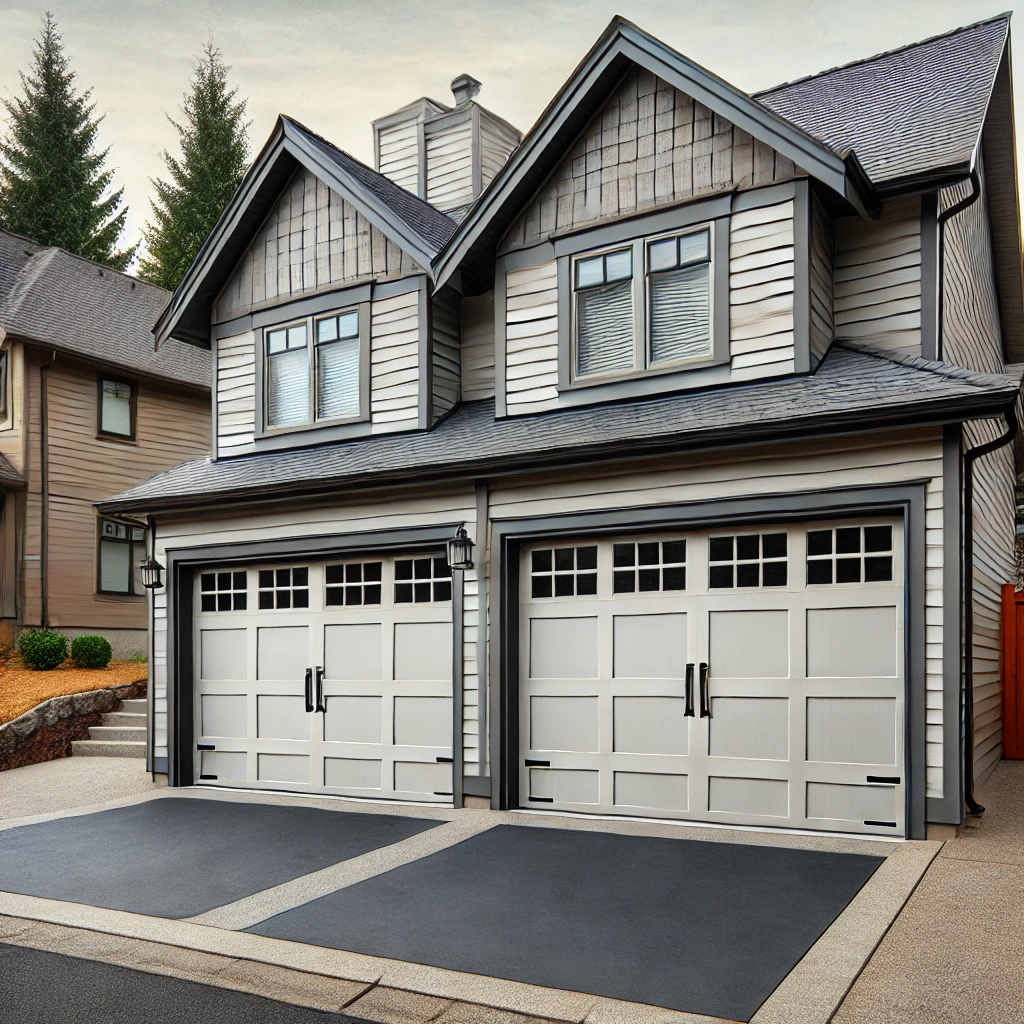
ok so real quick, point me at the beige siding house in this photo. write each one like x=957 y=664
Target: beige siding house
x=88 y=409
x=715 y=385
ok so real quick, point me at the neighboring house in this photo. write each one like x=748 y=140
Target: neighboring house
x=706 y=376
x=87 y=408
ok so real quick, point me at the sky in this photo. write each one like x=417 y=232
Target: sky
x=335 y=65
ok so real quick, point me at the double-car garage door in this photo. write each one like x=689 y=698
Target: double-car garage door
x=327 y=676
x=744 y=676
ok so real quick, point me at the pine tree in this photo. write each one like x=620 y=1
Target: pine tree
x=215 y=151
x=53 y=185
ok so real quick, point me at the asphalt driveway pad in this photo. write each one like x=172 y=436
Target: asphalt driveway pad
x=177 y=857
x=696 y=926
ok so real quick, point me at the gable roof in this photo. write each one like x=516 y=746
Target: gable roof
x=54 y=298
x=852 y=390
x=621 y=46
x=411 y=223
x=910 y=114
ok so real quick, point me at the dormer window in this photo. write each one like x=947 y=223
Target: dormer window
x=605 y=335
x=679 y=294
x=314 y=372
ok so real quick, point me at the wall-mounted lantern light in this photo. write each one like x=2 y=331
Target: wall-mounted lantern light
x=460 y=550
x=152 y=574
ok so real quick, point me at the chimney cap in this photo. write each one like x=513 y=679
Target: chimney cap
x=464 y=88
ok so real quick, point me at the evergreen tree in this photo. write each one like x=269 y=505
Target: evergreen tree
x=53 y=185
x=215 y=151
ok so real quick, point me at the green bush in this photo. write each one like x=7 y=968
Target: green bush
x=42 y=649
x=90 y=652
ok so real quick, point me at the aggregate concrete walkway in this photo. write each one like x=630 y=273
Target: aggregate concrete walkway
x=956 y=952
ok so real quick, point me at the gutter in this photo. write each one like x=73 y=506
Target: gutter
x=958 y=207
x=967 y=578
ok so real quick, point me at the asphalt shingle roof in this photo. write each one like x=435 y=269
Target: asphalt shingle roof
x=905 y=112
x=851 y=385
x=434 y=227
x=49 y=296
x=8 y=474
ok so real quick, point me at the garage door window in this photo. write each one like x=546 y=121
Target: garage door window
x=357 y=583
x=850 y=554
x=748 y=560
x=422 y=580
x=222 y=591
x=648 y=566
x=284 y=588
x=564 y=572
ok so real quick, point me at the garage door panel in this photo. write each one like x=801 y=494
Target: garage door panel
x=649 y=646
x=650 y=725
x=749 y=727
x=354 y=719
x=563 y=648
x=222 y=653
x=423 y=721
x=564 y=723
x=850 y=803
x=852 y=730
x=223 y=714
x=282 y=652
x=353 y=651
x=428 y=778
x=749 y=644
x=564 y=785
x=751 y=797
x=650 y=791
x=423 y=651
x=281 y=718
x=293 y=768
x=224 y=765
x=352 y=773
x=836 y=644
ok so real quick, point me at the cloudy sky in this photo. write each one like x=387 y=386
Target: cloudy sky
x=337 y=64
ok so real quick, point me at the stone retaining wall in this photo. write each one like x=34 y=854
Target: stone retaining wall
x=45 y=733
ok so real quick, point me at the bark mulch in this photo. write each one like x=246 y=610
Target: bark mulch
x=21 y=689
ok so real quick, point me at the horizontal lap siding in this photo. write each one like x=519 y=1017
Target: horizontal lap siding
x=497 y=141
x=399 y=155
x=531 y=339
x=650 y=145
x=395 y=363
x=822 y=265
x=313 y=240
x=450 y=165
x=236 y=393
x=761 y=286
x=478 y=347
x=878 y=279
x=446 y=355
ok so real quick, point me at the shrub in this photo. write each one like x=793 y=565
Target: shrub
x=90 y=652
x=42 y=649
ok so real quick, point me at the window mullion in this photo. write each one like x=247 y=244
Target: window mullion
x=311 y=357
x=640 y=357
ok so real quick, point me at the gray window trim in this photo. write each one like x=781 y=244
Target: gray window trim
x=184 y=563
x=907 y=499
x=5 y=376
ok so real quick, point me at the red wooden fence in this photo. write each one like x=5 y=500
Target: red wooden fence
x=1013 y=673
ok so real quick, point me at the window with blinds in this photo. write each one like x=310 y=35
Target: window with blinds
x=605 y=339
x=679 y=295
x=312 y=371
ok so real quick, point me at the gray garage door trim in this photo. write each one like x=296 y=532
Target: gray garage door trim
x=906 y=500
x=183 y=565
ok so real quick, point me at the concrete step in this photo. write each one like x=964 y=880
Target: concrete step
x=137 y=706
x=118 y=733
x=105 y=748
x=124 y=718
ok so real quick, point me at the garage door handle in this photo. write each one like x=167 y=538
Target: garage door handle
x=689 y=690
x=321 y=704
x=309 y=691
x=705 y=706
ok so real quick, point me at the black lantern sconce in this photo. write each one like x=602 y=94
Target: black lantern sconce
x=152 y=574
x=460 y=550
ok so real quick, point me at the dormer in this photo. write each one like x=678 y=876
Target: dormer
x=445 y=155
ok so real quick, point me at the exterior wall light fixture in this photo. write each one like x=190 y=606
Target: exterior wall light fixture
x=460 y=549
x=152 y=574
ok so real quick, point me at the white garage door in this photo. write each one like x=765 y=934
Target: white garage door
x=751 y=676
x=328 y=676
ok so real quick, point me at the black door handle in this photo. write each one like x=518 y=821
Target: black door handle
x=321 y=704
x=309 y=691
x=705 y=704
x=689 y=690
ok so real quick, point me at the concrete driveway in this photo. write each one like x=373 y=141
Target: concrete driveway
x=394 y=913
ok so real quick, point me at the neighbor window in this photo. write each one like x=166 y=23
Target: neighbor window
x=4 y=361
x=117 y=407
x=645 y=305
x=313 y=370
x=122 y=550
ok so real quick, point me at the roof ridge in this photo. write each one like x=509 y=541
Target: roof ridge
x=1005 y=16
x=975 y=377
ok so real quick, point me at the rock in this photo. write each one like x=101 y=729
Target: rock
x=47 y=714
x=84 y=703
x=27 y=724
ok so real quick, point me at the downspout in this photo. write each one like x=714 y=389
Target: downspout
x=150 y=653
x=968 y=599
x=959 y=206
x=44 y=483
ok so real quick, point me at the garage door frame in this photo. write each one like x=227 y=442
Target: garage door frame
x=184 y=563
x=906 y=499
